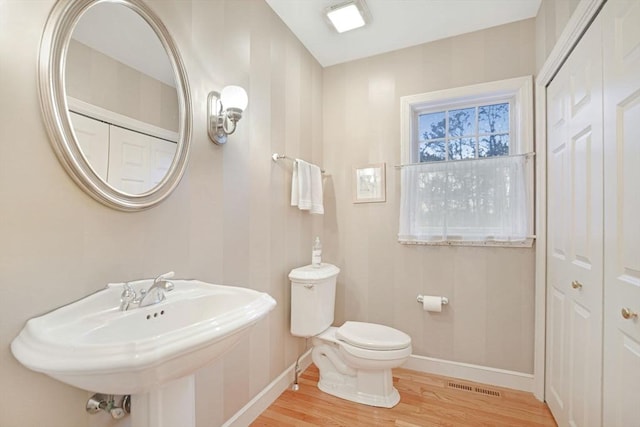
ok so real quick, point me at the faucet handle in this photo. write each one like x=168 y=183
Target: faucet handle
x=127 y=296
x=128 y=293
x=164 y=276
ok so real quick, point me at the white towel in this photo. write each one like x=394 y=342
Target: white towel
x=295 y=193
x=317 y=206
x=306 y=187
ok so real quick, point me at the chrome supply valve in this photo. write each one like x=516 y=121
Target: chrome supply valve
x=117 y=413
x=98 y=402
x=107 y=403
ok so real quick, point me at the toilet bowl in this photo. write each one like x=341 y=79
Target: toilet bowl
x=360 y=371
x=355 y=359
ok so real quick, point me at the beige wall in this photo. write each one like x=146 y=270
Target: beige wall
x=98 y=79
x=228 y=221
x=552 y=17
x=489 y=320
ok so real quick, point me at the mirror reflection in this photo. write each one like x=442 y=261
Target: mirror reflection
x=122 y=98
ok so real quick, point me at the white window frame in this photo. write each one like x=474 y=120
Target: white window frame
x=518 y=90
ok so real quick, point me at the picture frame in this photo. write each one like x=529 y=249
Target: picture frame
x=369 y=183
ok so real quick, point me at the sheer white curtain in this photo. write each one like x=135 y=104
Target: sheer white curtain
x=469 y=200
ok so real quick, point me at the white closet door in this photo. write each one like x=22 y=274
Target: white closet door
x=138 y=162
x=621 y=27
x=575 y=229
x=129 y=156
x=162 y=154
x=93 y=137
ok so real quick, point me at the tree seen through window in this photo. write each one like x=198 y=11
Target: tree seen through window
x=465 y=133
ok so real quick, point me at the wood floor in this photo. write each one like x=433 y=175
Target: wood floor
x=425 y=400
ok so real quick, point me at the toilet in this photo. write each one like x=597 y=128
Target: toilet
x=355 y=359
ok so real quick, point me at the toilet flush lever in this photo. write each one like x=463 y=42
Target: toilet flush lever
x=310 y=286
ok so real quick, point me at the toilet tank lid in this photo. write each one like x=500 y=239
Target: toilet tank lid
x=310 y=273
x=373 y=336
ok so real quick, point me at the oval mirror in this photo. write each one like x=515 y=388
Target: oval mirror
x=115 y=100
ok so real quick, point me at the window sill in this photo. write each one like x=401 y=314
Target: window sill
x=528 y=243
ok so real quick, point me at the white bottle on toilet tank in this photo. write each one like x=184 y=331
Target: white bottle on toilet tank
x=316 y=253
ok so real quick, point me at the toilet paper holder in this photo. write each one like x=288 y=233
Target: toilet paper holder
x=445 y=300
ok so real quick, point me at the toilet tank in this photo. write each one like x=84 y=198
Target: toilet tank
x=313 y=297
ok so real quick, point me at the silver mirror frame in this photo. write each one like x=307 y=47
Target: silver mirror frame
x=53 y=102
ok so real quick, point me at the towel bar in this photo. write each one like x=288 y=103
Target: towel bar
x=275 y=157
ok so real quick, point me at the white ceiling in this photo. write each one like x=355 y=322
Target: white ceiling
x=395 y=24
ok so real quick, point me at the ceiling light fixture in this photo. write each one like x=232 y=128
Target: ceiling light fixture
x=347 y=16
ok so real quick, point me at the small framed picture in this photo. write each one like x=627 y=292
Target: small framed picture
x=369 y=183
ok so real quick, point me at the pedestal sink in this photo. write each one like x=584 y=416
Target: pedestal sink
x=148 y=352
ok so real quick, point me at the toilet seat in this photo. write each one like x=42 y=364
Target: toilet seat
x=384 y=343
x=371 y=336
x=375 y=355
x=330 y=335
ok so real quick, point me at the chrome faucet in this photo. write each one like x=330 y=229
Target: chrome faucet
x=155 y=293
x=151 y=296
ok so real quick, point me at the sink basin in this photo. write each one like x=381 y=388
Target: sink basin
x=93 y=345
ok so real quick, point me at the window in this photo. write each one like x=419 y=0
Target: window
x=464 y=133
x=466 y=176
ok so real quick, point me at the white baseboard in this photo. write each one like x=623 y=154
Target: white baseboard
x=469 y=372
x=268 y=395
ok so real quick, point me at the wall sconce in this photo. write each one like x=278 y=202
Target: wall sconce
x=224 y=110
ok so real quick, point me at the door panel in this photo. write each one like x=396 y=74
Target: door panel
x=558 y=249
x=578 y=361
x=93 y=138
x=138 y=162
x=575 y=230
x=582 y=197
x=621 y=35
x=555 y=350
x=162 y=155
x=623 y=410
x=129 y=158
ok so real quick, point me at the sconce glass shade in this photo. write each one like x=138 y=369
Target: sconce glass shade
x=224 y=110
x=234 y=97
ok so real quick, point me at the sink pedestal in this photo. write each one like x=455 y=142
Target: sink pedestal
x=172 y=404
